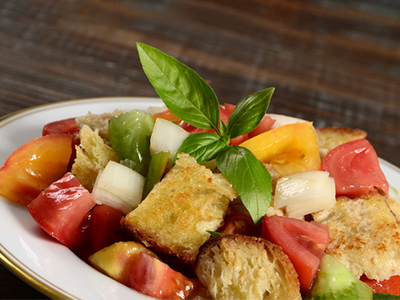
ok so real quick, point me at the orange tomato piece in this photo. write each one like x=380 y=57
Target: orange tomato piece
x=167 y=115
x=34 y=166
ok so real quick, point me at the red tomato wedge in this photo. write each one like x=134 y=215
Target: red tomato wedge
x=225 y=112
x=152 y=277
x=61 y=208
x=101 y=227
x=304 y=243
x=266 y=124
x=34 y=166
x=66 y=126
x=355 y=168
x=192 y=129
x=389 y=286
x=104 y=227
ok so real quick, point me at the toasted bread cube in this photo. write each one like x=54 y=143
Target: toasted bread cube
x=394 y=205
x=244 y=267
x=175 y=216
x=98 y=122
x=365 y=235
x=92 y=155
x=331 y=137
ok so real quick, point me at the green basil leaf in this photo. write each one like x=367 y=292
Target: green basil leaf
x=182 y=90
x=249 y=112
x=223 y=129
x=250 y=178
x=203 y=146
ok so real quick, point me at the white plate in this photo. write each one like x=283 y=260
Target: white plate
x=29 y=252
x=24 y=248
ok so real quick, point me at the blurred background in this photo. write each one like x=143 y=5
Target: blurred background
x=335 y=62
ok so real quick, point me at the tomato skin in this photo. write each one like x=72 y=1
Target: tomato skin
x=34 y=166
x=192 y=129
x=61 y=208
x=103 y=227
x=225 y=112
x=152 y=277
x=290 y=148
x=228 y=109
x=390 y=286
x=66 y=126
x=355 y=168
x=303 y=242
x=167 y=115
x=266 y=124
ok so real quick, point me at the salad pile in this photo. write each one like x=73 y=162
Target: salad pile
x=85 y=174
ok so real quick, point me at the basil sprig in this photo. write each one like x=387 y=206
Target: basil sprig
x=183 y=91
x=191 y=99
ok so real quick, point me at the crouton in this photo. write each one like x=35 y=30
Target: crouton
x=92 y=155
x=365 y=235
x=244 y=267
x=98 y=121
x=394 y=205
x=331 y=137
x=176 y=214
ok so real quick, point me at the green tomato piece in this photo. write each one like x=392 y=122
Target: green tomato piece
x=158 y=164
x=334 y=281
x=137 y=167
x=129 y=136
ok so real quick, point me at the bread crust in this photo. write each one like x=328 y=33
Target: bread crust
x=176 y=215
x=92 y=155
x=365 y=235
x=242 y=267
x=331 y=137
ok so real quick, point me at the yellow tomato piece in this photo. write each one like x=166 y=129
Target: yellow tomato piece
x=290 y=148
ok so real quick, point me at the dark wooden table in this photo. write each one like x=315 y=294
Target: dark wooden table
x=333 y=62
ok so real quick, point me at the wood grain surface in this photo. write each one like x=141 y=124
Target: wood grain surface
x=334 y=62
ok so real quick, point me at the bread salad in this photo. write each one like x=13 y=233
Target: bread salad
x=197 y=200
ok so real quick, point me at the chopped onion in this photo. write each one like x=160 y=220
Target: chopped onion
x=305 y=193
x=118 y=186
x=167 y=136
x=156 y=109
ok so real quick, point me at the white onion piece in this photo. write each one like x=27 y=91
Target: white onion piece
x=156 y=109
x=118 y=186
x=167 y=136
x=284 y=120
x=305 y=193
